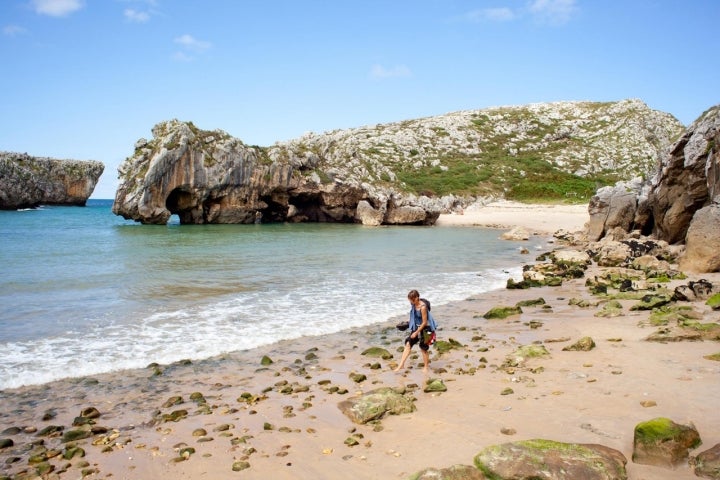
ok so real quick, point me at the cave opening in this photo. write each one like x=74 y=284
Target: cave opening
x=182 y=203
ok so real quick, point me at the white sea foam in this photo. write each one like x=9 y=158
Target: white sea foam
x=247 y=321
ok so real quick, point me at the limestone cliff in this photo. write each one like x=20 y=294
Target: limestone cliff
x=679 y=204
x=26 y=181
x=399 y=173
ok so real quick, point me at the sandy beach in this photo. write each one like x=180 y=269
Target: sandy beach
x=282 y=419
x=505 y=214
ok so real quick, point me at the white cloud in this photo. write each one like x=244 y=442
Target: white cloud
x=136 y=16
x=379 y=71
x=13 y=30
x=182 y=57
x=57 y=8
x=193 y=44
x=500 y=14
x=555 y=12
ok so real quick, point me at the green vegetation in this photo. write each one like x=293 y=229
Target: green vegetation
x=525 y=178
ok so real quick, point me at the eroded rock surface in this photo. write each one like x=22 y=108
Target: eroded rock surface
x=27 y=182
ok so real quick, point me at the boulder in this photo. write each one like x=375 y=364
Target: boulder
x=702 y=242
x=663 y=443
x=367 y=215
x=613 y=207
x=547 y=459
x=27 y=182
x=688 y=178
x=707 y=464
x=517 y=234
x=585 y=344
x=375 y=404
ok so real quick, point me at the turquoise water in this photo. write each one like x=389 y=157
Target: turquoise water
x=83 y=291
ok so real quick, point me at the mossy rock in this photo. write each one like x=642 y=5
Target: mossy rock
x=435 y=385
x=265 y=361
x=649 y=302
x=585 y=344
x=531 y=351
x=502 y=312
x=530 y=302
x=670 y=314
x=714 y=357
x=443 y=346
x=357 y=377
x=73 y=435
x=663 y=443
x=714 y=302
x=613 y=308
x=377 y=352
x=239 y=466
x=539 y=458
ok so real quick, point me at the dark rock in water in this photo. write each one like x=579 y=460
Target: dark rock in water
x=548 y=459
x=27 y=182
x=663 y=443
x=707 y=464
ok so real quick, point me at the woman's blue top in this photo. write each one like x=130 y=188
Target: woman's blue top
x=416 y=319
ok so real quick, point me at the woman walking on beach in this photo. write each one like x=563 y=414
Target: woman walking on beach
x=420 y=320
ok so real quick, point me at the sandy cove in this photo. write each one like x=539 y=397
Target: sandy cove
x=504 y=214
x=292 y=427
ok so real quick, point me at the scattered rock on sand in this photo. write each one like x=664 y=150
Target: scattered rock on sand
x=585 y=344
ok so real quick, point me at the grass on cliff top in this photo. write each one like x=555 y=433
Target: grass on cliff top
x=524 y=178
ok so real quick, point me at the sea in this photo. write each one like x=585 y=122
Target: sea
x=83 y=291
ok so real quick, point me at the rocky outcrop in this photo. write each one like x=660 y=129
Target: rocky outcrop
x=27 y=182
x=211 y=177
x=399 y=173
x=685 y=191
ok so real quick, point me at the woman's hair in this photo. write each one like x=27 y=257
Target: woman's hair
x=413 y=294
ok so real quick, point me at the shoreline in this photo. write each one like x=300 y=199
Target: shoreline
x=283 y=418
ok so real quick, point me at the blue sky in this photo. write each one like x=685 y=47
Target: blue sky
x=84 y=79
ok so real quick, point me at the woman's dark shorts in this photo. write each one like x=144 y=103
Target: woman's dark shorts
x=412 y=341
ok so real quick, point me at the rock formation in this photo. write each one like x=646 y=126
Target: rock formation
x=679 y=204
x=27 y=182
x=399 y=173
x=211 y=177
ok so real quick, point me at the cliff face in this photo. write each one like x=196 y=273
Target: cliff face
x=399 y=173
x=679 y=204
x=27 y=182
